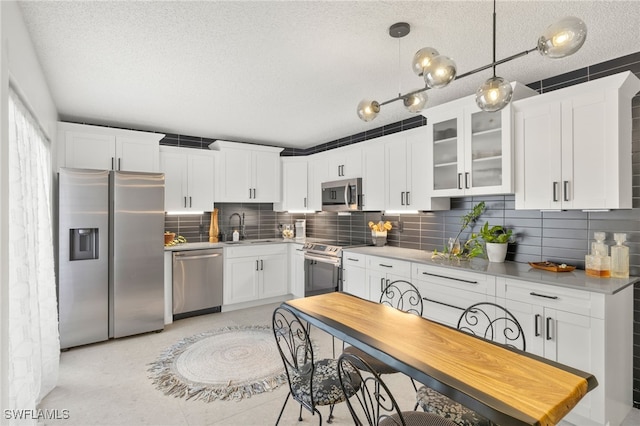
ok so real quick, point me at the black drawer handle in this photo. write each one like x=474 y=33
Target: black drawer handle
x=385 y=266
x=352 y=259
x=444 y=304
x=450 y=278
x=543 y=295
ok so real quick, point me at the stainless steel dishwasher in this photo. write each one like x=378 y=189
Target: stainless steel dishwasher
x=197 y=282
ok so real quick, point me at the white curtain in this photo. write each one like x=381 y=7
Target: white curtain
x=34 y=344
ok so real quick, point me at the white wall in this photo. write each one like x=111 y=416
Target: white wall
x=18 y=65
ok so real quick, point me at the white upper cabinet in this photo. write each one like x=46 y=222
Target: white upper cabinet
x=344 y=163
x=295 y=185
x=573 y=146
x=470 y=149
x=408 y=181
x=373 y=177
x=248 y=173
x=105 y=148
x=189 y=178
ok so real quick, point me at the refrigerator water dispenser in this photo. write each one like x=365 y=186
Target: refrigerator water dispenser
x=83 y=243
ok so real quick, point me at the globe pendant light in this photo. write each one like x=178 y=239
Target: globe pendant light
x=368 y=110
x=563 y=38
x=415 y=102
x=496 y=92
x=559 y=40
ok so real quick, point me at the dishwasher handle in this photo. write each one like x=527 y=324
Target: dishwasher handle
x=180 y=256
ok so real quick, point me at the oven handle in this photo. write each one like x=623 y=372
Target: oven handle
x=322 y=259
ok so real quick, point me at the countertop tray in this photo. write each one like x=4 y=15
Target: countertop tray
x=553 y=267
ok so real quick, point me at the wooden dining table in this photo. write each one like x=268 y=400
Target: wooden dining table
x=506 y=385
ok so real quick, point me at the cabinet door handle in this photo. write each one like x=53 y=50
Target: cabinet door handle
x=466 y=180
x=549 y=323
x=408 y=197
x=444 y=304
x=190 y=202
x=119 y=163
x=185 y=202
x=537 y=324
x=459 y=180
x=381 y=285
x=555 y=191
x=565 y=190
x=261 y=265
x=533 y=293
x=305 y=202
x=256 y=264
x=450 y=278
x=113 y=166
x=402 y=198
x=254 y=193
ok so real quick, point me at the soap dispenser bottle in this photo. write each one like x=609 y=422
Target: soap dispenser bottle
x=620 y=257
x=236 y=235
x=598 y=263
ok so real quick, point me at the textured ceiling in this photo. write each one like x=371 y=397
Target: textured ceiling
x=289 y=73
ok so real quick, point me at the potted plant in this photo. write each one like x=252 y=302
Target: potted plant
x=495 y=240
x=453 y=250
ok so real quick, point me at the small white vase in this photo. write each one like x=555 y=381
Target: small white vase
x=497 y=252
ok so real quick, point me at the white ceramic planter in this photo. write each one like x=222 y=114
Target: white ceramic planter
x=497 y=252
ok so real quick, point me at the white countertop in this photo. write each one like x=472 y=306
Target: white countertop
x=576 y=279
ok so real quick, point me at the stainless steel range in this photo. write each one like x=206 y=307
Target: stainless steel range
x=322 y=268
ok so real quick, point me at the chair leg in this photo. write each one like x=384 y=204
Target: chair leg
x=300 y=415
x=330 y=419
x=282 y=409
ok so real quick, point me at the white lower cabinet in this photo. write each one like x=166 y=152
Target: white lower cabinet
x=354 y=275
x=585 y=330
x=447 y=292
x=381 y=271
x=255 y=272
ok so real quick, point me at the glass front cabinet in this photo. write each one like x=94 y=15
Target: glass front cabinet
x=471 y=149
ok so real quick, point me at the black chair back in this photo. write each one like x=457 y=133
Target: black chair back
x=402 y=295
x=294 y=344
x=372 y=402
x=492 y=322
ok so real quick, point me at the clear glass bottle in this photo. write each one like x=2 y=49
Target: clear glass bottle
x=598 y=263
x=620 y=257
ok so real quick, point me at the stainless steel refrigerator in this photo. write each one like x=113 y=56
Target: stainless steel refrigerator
x=110 y=254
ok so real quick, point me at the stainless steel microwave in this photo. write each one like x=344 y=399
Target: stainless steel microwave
x=342 y=195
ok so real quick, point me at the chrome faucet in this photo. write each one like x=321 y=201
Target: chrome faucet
x=240 y=224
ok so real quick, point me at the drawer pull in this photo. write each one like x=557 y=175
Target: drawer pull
x=385 y=266
x=450 y=278
x=537 y=321
x=543 y=295
x=352 y=259
x=442 y=303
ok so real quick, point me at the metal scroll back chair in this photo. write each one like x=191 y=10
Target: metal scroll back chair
x=372 y=402
x=400 y=295
x=312 y=382
x=488 y=321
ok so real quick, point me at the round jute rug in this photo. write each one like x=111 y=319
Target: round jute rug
x=226 y=364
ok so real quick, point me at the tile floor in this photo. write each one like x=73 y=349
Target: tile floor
x=107 y=384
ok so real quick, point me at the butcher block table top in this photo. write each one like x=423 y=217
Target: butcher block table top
x=506 y=385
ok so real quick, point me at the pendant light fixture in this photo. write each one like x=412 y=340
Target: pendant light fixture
x=496 y=92
x=559 y=40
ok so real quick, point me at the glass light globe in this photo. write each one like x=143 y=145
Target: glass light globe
x=368 y=110
x=416 y=102
x=494 y=94
x=422 y=59
x=440 y=72
x=563 y=38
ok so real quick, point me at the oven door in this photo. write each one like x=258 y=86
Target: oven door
x=321 y=274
